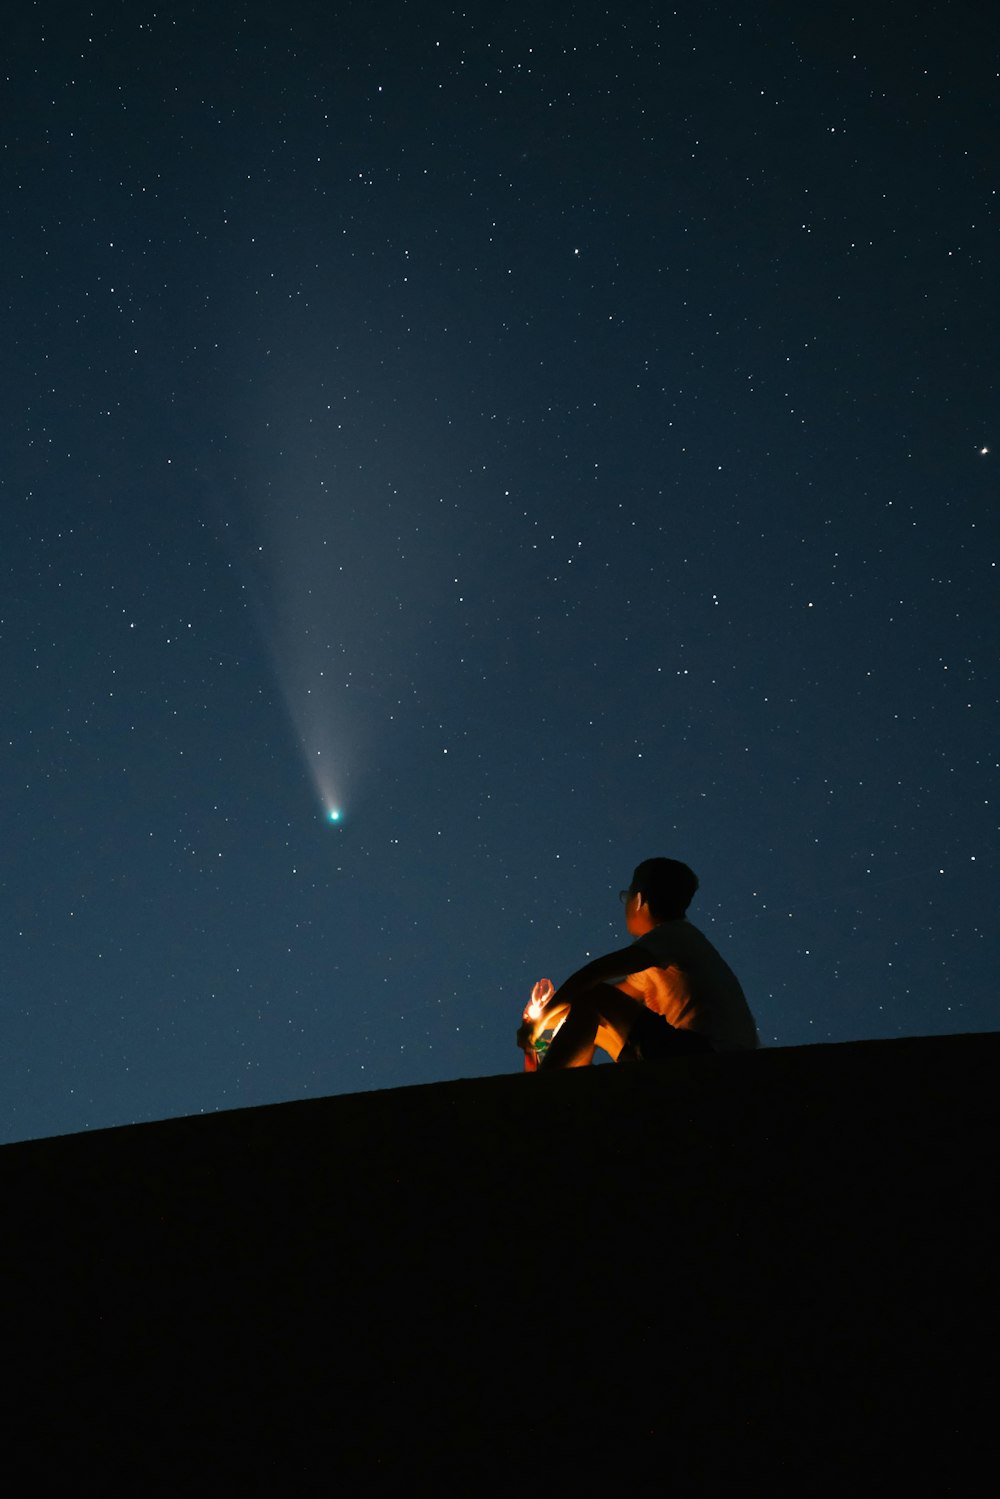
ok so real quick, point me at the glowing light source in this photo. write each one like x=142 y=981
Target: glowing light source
x=333 y=814
x=534 y=1010
x=541 y=993
x=545 y=1025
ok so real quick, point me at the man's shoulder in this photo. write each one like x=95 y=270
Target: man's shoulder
x=676 y=939
x=666 y=937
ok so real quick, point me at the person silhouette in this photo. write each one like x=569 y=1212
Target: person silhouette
x=669 y=993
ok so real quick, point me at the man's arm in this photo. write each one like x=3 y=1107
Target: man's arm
x=614 y=965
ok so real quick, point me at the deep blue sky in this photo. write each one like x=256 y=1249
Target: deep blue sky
x=577 y=424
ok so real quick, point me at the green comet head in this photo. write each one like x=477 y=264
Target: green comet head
x=333 y=814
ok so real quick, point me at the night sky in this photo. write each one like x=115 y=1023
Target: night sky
x=549 y=435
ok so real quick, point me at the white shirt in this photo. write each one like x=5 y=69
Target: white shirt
x=693 y=987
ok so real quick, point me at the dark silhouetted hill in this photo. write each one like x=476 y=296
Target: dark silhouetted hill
x=700 y=1276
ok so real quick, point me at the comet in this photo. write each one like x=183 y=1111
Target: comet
x=300 y=580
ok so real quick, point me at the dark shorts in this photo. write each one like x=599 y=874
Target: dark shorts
x=652 y=1037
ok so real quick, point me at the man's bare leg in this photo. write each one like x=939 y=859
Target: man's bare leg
x=602 y=1015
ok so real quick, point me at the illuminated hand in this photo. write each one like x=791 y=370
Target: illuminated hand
x=541 y=993
x=534 y=1013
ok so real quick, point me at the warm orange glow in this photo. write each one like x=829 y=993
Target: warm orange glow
x=541 y=993
x=534 y=1011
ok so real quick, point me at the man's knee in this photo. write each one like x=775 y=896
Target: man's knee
x=614 y=1007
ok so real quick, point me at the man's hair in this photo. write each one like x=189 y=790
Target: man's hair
x=667 y=886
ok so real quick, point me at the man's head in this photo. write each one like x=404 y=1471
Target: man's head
x=661 y=890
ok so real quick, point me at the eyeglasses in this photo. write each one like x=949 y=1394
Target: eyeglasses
x=625 y=896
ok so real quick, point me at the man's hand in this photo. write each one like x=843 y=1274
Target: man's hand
x=534 y=1012
x=535 y=1019
x=526 y=1035
x=541 y=993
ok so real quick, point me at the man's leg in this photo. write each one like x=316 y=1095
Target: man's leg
x=602 y=1014
x=653 y=1037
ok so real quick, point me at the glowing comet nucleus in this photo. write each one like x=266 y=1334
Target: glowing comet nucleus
x=333 y=814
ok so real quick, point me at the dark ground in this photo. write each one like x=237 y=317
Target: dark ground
x=699 y=1276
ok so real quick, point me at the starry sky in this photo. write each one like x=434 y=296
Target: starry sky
x=549 y=436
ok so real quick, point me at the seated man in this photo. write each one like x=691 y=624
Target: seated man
x=668 y=994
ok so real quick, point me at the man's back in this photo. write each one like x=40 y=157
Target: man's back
x=693 y=987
